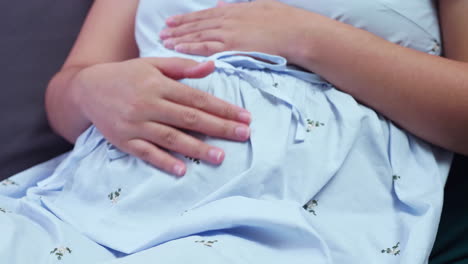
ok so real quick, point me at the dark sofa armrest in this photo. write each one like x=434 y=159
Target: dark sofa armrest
x=35 y=38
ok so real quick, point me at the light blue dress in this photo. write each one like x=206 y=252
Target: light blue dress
x=323 y=179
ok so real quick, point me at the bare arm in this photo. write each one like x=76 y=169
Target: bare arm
x=425 y=94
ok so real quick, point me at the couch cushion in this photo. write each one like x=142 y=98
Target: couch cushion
x=35 y=38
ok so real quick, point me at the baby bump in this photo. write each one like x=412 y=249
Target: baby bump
x=105 y=189
x=126 y=204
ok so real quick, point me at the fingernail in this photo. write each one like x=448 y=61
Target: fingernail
x=178 y=170
x=165 y=34
x=216 y=155
x=180 y=48
x=242 y=132
x=171 y=21
x=245 y=117
x=168 y=43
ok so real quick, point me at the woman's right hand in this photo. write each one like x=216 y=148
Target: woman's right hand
x=140 y=108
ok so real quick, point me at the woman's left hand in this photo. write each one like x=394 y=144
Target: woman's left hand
x=264 y=26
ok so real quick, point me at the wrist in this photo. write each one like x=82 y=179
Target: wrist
x=304 y=35
x=316 y=37
x=76 y=89
x=77 y=100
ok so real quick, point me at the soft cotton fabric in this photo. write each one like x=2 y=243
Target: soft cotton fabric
x=323 y=179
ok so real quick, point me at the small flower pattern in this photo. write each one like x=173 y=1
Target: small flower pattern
x=311 y=124
x=114 y=196
x=184 y=212
x=8 y=182
x=393 y=250
x=197 y=161
x=60 y=252
x=309 y=206
x=396 y=177
x=207 y=243
x=435 y=47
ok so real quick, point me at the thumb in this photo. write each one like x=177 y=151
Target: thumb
x=177 y=68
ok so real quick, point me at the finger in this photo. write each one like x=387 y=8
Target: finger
x=177 y=141
x=221 y=4
x=200 y=71
x=177 y=68
x=195 y=120
x=206 y=48
x=184 y=95
x=155 y=156
x=196 y=37
x=184 y=29
x=195 y=16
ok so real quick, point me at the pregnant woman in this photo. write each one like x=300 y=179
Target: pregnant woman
x=315 y=174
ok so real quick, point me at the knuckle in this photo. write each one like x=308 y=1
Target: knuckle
x=115 y=129
x=187 y=28
x=189 y=117
x=119 y=132
x=131 y=111
x=170 y=138
x=224 y=129
x=176 y=32
x=205 y=47
x=198 y=35
x=200 y=100
x=121 y=143
x=143 y=153
x=223 y=37
x=196 y=151
x=189 y=48
x=229 y=112
x=151 y=81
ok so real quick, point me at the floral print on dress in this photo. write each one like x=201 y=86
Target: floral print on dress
x=9 y=182
x=114 y=196
x=2 y=210
x=208 y=243
x=197 y=161
x=310 y=205
x=60 y=252
x=184 y=212
x=311 y=124
x=393 y=250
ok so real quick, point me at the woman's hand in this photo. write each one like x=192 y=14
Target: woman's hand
x=253 y=26
x=140 y=108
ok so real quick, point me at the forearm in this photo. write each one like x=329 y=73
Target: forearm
x=425 y=94
x=91 y=48
x=63 y=110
